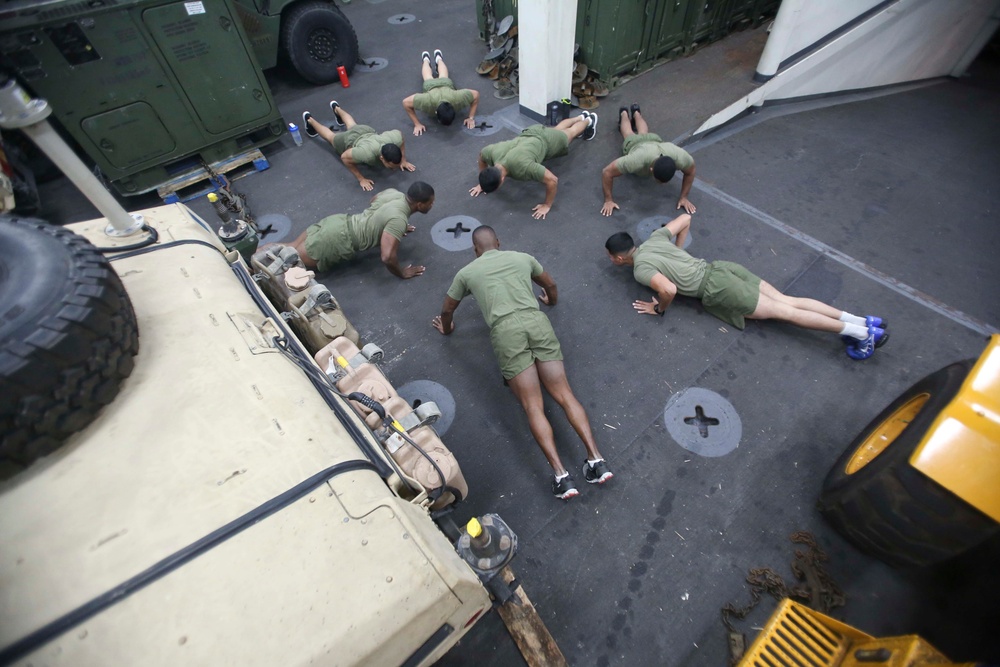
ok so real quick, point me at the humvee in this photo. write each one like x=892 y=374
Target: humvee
x=189 y=489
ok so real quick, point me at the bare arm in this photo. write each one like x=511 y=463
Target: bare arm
x=444 y=322
x=682 y=201
x=389 y=246
x=608 y=175
x=347 y=158
x=470 y=122
x=403 y=164
x=551 y=184
x=550 y=294
x=418 y=127
x=665 y=293
x=679 y=227
x=477 y=190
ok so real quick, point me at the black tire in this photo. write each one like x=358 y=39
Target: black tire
x=317 y=38
x=68 y=336
x=889 y=509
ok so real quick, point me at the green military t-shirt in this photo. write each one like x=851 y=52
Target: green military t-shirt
x=337 y=238
x=500 y=280
x=441 y=90
x=660 y=255
x=642 y=150
x=522 y=157
x=367 y=147
x=388 y=213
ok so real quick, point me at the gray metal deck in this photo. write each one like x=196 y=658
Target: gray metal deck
x=880 y=206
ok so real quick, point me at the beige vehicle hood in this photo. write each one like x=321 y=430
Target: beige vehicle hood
x=217 y=440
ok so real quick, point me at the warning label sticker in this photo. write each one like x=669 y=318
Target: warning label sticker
x=194 y=7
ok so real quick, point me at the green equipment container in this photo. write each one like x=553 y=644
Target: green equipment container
x=148 y=89
x=620 y=37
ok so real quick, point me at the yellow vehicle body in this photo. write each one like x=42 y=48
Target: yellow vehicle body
x=796 y=635
x=961 y=451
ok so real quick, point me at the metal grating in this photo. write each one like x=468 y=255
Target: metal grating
x=793 y=638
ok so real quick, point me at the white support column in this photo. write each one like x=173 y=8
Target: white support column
x=546 y=36
x=777 y=41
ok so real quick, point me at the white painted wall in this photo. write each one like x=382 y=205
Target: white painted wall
x=909 y=40
x=546 y=34
x=802 y=23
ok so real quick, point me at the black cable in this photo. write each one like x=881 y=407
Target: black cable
x=153 y=237
x=87 y=610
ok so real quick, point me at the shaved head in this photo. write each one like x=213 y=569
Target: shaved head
x=484 y=238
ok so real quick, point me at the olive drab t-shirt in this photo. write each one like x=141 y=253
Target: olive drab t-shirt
x=660 y=255
x=500 y=280
x=642 y=150
x=441 y=90
x=367 y=148
x=522 y=157
x=389 y=213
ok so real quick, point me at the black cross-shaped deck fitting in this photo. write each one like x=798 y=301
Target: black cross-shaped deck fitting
x=701 y=421
x=458 y=229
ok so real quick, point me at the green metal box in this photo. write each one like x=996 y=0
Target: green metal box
x=147 y=88
x=619 y=37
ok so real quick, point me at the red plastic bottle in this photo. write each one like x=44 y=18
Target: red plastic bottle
x=342 y=71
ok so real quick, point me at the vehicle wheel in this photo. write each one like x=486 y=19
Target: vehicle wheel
x=886 y=507
x=67 y=336
x=317 y=38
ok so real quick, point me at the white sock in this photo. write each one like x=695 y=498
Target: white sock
x=854 y=331
x=853 y=319
x=594 y=462
x=562 y=476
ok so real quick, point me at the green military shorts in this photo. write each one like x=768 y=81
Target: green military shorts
x=329 y=241
x=440 y=82
x=634 y=140
x=344 y=140
x=730 y=292
x=556 y=141
x=521 y=338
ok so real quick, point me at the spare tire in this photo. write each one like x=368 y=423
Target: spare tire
x=68 y=336
x=317 y=38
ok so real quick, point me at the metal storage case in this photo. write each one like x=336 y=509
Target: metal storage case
x=148 y=89
x=618 y=37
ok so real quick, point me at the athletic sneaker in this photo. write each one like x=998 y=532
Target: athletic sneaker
x=425 y=56
x=870 y=321
x=564 y=488
x=333 y=107
x=596 y=473
x=306 y=127
x=863 y=349
x=591 y=130
x=438 y=54
x=632 y=112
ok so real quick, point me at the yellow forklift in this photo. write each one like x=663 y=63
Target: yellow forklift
x=918 y=486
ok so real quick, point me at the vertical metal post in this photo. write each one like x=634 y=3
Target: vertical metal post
x=19 y=111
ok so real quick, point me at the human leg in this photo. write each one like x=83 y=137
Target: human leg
x=574 y=127
x=625 y=123
x=553 y=377
x=442 y=68
x=426 y=71
x=321 y=130
x=528 y=391
x=640 y=122
x=345 y=118
x=800 y=303
x=769 y=308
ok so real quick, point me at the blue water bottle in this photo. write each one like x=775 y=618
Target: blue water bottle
x=296 y=135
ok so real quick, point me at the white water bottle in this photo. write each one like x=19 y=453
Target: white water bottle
x=296 y=135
